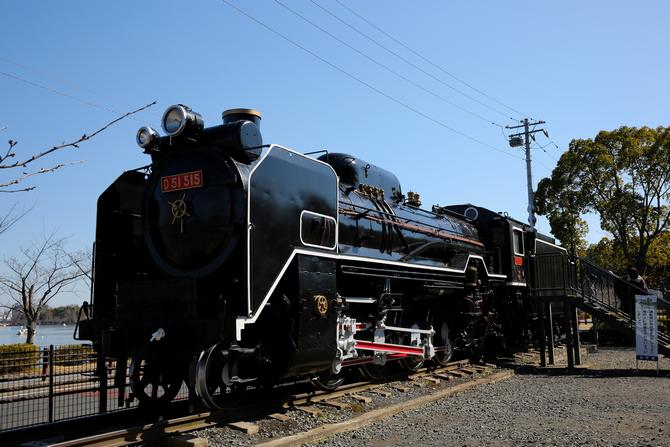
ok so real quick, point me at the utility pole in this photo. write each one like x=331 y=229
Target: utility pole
x=515 y=140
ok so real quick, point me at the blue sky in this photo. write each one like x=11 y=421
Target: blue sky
x=580 y=66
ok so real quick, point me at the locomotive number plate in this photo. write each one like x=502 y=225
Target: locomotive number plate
x=187 y=180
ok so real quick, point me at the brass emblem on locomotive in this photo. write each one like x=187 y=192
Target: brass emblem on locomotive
x=320 y=305
x=178 y=210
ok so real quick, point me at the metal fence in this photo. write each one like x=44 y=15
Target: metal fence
x=554 y=275
x=560 y=275
x=58 y=383
x=557 y=275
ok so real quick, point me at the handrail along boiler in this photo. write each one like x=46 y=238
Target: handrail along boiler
x=228 y=263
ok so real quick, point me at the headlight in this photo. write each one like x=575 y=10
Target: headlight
x=179 y=117
x=146 y=137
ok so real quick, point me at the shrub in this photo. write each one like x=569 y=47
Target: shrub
x=18 y=358
x=67 y=355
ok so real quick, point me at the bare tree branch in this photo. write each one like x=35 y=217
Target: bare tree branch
x=9 y=153
x=74 y=144
x=11 y=217
x=26 y=175
x=10 y=185
x=83 y=261
x=38 y=275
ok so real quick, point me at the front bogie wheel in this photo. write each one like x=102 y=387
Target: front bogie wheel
x=154 y=380
x=214 y=382
x=328 y=381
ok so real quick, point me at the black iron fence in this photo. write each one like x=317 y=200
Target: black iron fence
x=58 y=383
x=557 y=275
x=554 y=275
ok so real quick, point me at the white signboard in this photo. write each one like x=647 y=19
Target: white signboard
x=646 y=327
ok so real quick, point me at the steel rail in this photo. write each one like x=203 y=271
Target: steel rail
x=200 y=421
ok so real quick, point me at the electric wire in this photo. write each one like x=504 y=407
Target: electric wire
x=424 y=58
x=384 y=66
x=54 y=76
x=542 y=148
x=505 y=137
x=407 y=61
x=543 y=165
x=66 y=95
x=366 y=84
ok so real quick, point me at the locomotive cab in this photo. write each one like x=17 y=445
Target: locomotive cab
x=510 y=242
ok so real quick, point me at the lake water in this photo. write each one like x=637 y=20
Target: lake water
x=45 y=336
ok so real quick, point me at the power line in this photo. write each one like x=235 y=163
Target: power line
x=384 y=66
x=46 y=73
x=407 y=61
x=57 y=92
x=64 y=94
x=366 y=84
x=424 y=58
x=542 y=148
x=544 y=165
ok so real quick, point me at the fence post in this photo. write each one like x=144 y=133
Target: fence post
x=550 y=331
x=102 y=374
x=575 y=335
x=568 y=334
x=51 y=383
x=539 y=308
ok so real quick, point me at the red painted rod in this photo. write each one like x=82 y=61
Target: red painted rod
x=385 y=347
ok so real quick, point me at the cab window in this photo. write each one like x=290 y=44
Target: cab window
x=317 y=230
x=517 y=236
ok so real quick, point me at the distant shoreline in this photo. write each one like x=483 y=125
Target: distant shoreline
x=38 y=325
x=47 y=334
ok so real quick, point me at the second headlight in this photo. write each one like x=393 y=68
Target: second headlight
x=146 y=137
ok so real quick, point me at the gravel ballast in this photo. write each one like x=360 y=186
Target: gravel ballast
x=300 y=421
x=609 y=404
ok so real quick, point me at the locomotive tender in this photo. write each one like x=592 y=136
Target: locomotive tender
x=228 y=263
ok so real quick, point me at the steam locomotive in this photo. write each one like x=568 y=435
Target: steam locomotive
x=228 y=263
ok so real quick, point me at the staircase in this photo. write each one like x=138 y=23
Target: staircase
x=594 y=290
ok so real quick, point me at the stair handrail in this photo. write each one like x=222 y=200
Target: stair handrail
x=632 y=289
x=638 y=290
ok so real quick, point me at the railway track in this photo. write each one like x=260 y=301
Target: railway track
x=277 y=406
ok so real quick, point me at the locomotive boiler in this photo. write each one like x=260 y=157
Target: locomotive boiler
x=227 y=263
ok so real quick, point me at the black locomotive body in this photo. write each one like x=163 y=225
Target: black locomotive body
x=227 y=263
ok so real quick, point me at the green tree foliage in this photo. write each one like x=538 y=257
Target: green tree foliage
x=60 y=314
x=624 y=177
x=607 y=254
x=555 y=200
x=658 y=256
x=610 y=255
